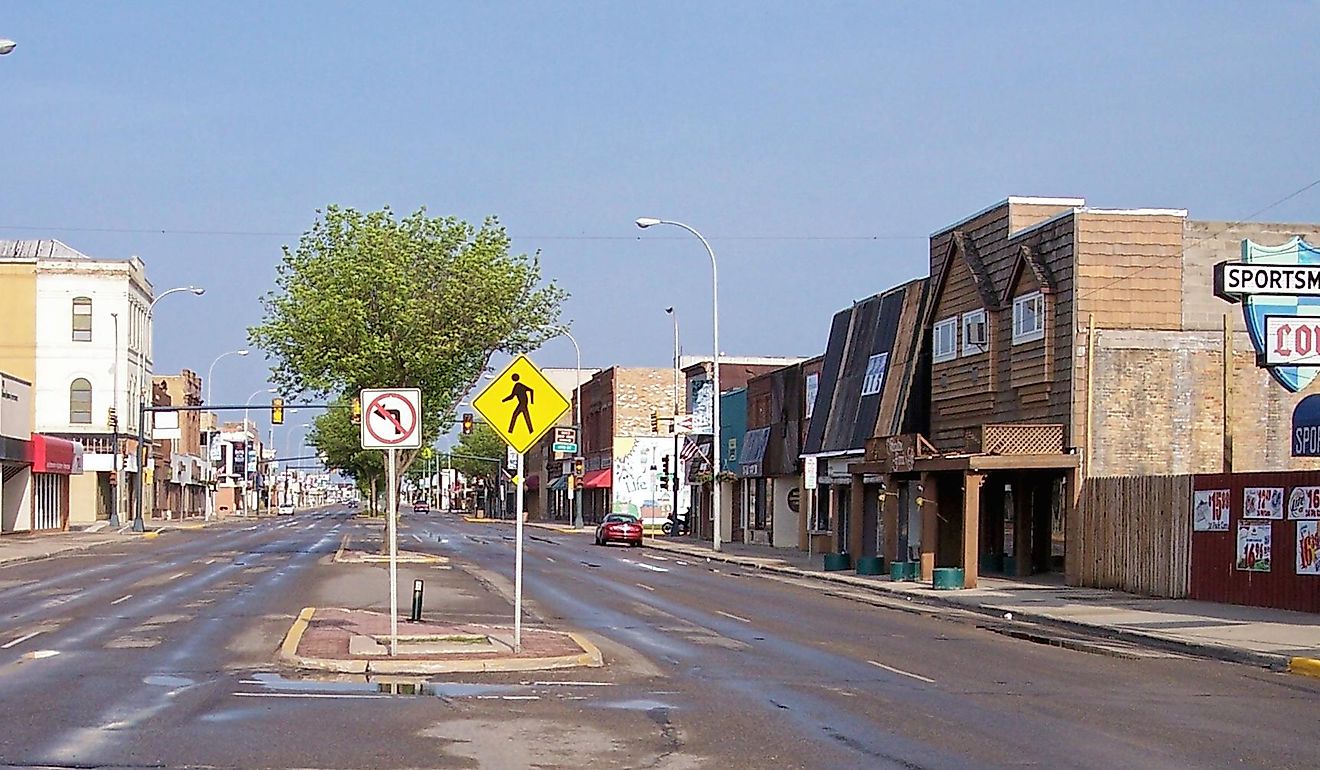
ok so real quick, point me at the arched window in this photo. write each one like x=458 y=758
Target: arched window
x=82 y=319
x=80 y=402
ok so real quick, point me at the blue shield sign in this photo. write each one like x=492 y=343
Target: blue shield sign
x=1306 y=427
x=1275 y=284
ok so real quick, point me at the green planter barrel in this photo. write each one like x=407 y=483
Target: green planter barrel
x=837 y=562
x=947 y=578
x=903 y=570
x=871 y=565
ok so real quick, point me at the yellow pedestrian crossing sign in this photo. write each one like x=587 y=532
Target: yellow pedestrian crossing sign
x=520 y=404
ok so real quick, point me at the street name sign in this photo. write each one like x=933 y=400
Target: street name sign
x=391 y=418
x=565 y=440
x=520 y=404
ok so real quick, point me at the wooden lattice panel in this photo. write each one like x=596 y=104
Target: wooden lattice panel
x=1021 y=439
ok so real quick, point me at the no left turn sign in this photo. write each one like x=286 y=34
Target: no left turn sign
x=391 y=418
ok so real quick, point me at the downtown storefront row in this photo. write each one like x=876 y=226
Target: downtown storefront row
x=35 y=469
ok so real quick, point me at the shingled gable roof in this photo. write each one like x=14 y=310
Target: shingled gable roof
x=960 y=244
x=1028 y=259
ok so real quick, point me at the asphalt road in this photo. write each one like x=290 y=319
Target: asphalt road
x=158 y=653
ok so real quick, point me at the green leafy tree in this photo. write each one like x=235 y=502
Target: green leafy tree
x=368 y=300
x=472 y=448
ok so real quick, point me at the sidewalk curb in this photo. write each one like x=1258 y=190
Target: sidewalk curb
x=1272 y=661
x=590 y=657
x=1304 y=667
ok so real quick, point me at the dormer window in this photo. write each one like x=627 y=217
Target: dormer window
x=975 y=332
x=1028 y=317
x=944 y=340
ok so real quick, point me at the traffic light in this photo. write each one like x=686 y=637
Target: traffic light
x=467 y=424
x=655 y=422
x=356 y=416
x=664 y=472
x=579 y=467
x=112 y=420
x=277 y=411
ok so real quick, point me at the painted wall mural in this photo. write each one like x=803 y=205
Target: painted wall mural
x=636 y=478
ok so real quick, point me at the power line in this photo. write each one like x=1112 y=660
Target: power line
x=276 y=233
x=1160 y=260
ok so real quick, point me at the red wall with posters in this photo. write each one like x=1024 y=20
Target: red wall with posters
x=1215 y=576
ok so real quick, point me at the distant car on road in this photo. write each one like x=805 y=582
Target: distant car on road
x=286 y=509
x=421 y=506
x=619 y=528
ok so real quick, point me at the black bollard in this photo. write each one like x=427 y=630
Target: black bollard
x=417 y=602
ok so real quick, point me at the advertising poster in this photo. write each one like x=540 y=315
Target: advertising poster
x=1308 y=548
x=1210 y=510
x=1262 y=503
x=1253 y=546
x=1304 y=503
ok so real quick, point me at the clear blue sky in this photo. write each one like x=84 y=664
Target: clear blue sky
x=816 y=144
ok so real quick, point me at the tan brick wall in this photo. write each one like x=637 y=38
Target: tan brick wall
x=637 y=393
x=1159 y=400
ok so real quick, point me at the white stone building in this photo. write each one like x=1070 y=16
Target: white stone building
x=93 y=337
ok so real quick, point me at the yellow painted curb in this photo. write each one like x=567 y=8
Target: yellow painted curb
x=150 y=535
x=1304 y=666
x=289 y=649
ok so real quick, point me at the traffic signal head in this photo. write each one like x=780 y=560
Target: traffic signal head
x=655 y=422
x=467 y=424
x=579 y=467
x=356 y=415
x=277 y=411
x=112 y=419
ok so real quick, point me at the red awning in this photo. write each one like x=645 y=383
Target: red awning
x=55 y=455
x=601 y=479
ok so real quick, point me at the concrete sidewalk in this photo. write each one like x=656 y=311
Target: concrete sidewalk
x=1273 y=638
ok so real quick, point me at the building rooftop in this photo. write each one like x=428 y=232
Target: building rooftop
x=39 y=248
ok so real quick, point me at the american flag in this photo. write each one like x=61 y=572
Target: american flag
x=691 y=448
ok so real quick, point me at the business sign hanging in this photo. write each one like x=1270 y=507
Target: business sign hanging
x=1306 y=427
x=1279 y=288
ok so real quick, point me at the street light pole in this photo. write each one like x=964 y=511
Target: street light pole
x=716 y=453
x=143 y=455
x=256 y=435
x=677 y=407
x=210 y=466
x=114 y=431
x=577 y=424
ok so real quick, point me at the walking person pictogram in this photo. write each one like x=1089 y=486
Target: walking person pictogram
x=526 y=397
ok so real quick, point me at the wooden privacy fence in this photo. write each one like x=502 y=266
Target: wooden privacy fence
x=1133 y=533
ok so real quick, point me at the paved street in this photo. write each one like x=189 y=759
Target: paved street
x=159 y=653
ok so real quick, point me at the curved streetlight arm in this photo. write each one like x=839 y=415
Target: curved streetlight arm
x=211 y=369
x=716 y=452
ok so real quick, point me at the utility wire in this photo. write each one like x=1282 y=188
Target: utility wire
x=1161 y=260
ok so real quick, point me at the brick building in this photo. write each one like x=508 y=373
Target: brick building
x=623 y=454
x=181 y=480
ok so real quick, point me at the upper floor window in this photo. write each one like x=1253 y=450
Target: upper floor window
x=1028 y=317
x=945 y=339
x=82 y=319
x=80 y=402
x=976 y=333
x=875 y=374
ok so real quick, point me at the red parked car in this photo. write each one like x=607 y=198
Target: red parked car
x=619 y=528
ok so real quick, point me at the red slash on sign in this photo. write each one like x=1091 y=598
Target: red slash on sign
x=392 y=419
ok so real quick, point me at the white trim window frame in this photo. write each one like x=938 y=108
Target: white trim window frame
x=944 y=340
x=979 y=343
x=1028 y=317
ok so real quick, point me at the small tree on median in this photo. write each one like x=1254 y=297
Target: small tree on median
x=368 y=300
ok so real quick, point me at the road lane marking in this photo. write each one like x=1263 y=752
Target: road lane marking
x=651 y=567
x=731 y=615
x=550 y=559
x=653 y=556
x=39 y=654
x=681 y=563
x=175 y=576
x=342 y=696
x=901 y=672
x=643 y=585
x=18 y=641
x=123 y=598
x=211 y=561
x=418 y=538
x=572 y=684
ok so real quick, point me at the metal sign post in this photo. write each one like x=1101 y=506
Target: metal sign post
x=392 y=472
x=518 y=561
x=392 y=420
